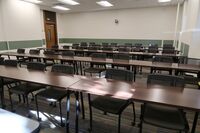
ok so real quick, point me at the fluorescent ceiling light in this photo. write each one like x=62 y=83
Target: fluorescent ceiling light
x=161 y=1
x=69 y=2
x=59 y=7
x=104 y=3
x=34 y=1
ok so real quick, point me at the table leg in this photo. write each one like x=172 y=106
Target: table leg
x=135 y=71
x=81 y=68
x=195 y=122
x=68 y=110
x=77 y=111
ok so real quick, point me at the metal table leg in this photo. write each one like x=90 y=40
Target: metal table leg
x=195 y=122
x=68 y=110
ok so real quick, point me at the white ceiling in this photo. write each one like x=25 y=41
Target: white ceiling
x=90 y=5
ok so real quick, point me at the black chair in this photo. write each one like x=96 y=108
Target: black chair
x=153 y=49
x=24 y=89
x=121 y=58
x=191 y=77
x=75 y=45
x=169 y=51
x=34 y=52
x=49 y=62
x=138 y=48
x=112 y=105
x=160 y=115
x=1 y=60
x=104 y=45
x=21 y=59
x=113 y=45
x=168 y=46
x=129 y=45
x=84 y=45
x=69 y=54
x=66 y=47
x=96 y=66
x=162 y=59
x=55 y=46
x=55 y=94
x=124 y=49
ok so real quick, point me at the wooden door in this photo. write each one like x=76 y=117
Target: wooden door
x=50 y=31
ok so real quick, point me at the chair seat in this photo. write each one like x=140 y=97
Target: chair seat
x=110 y=105
x=26 y=88
x=53 y=93
x=94 y=70
x=162 y=116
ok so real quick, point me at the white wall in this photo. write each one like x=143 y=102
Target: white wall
x=21 y=20
x=141 y=23
x=1 y=25
x=190 y=32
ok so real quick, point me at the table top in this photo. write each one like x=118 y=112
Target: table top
x=171 y=96
x=46 y=78
x=14 y=123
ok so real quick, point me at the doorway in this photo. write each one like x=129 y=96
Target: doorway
x=50 y=27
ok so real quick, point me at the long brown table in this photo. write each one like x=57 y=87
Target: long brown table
x=116 y=52
x=134 y=63
x=184 y=98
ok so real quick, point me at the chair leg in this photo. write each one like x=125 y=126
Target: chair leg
x=27 y=104
x=11 y=103
x=119 y=123
x=134 y=115
x=140 y=126
x=36 y=102
x=61 y=121
x=82 y=106
x=19 y=98
x=90 y=109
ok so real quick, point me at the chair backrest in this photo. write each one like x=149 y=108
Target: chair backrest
x=12 y=63
x=49 y=52
x=83 y=44
x=20 y=51
x=153 y=49
x=169 y=51
x=36 y=66
x=107 y=49
x=34 y=51
x=165 y=80
x=128 y=45
x=167 y=46
x=121 y=57
x=98 y=56
x=93 y=48
x=113 y=44
x=138 y=45
x=68 y=53
x=1 y=60
x=62 y=68
x=55 y=46
x=105 y=44
x=119 y=74
x=66 y=47
x=164 y=59
x=75 y=45
x=91 y=44
x=125 y=49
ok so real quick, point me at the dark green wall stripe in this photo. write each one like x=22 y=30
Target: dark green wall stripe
x=3 y=45
x=25 y=44
x=145 y=42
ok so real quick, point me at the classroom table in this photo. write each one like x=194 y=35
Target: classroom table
x=134 y=63
x=185 y=98
x=14 y=123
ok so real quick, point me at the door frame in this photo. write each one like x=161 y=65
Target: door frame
x=48 y=23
